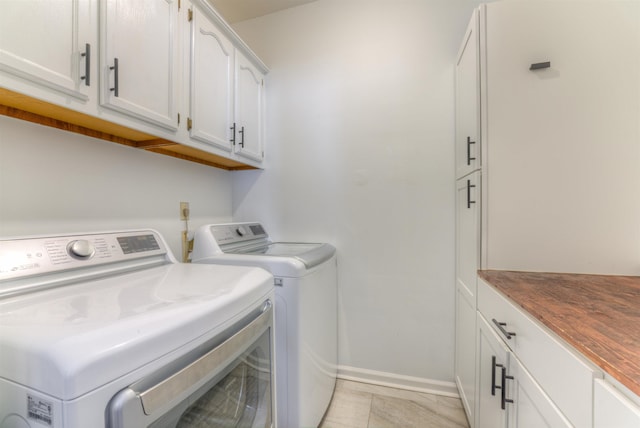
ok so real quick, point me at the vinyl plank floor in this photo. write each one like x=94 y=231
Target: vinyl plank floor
x=361 y=405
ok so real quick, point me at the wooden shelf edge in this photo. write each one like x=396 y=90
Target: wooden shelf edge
x=28 y=109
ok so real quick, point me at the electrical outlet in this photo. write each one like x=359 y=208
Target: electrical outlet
x=184 y=210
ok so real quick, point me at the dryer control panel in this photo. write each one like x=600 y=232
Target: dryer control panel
x=23 y=258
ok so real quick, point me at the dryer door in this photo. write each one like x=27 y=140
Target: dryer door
x=231 y=385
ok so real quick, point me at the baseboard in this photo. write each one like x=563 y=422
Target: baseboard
x=391 y=380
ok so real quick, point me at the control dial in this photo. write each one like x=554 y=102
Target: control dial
x=241 y=231
x=81 y=249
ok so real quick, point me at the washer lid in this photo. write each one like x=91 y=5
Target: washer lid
x=70 y=340
x=310 y=254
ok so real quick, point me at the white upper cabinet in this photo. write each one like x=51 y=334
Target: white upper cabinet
x=211 y=83
x=467 y=102
x=50 y=45
x=248 y=109
x=226 y=88
x=139 y=61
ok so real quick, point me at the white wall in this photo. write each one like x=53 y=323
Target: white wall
x=360 y=128
x=52 y=181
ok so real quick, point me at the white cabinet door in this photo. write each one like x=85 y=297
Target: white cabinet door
x=612 y=409
x=139 y=60
x=531 y=407
x=46 y=43
x=211 y=89
x=465 y=355
x=468 y=102
x=248 y=109
x=493 y=356
x=468 y=233
x=467 y=263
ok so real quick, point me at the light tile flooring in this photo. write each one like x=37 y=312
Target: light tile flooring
x=360 y=405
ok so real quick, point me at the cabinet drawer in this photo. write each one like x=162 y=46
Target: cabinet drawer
x=565 y=377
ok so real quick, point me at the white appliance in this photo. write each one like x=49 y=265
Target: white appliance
x=306 y=312
x=108 y=330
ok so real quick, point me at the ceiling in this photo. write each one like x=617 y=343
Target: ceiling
x=240 y=10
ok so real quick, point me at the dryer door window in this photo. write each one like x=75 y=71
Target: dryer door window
x=230 y=386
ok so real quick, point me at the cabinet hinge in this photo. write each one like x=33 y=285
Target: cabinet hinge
x=189 y=124
x=178 y=118
x=190 y=15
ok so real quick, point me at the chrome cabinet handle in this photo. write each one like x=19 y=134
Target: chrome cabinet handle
x=501 y=325
x=115 y=77
x=87 y=64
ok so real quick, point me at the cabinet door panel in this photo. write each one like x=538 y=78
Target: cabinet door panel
x=467 y=102
x=612 y=409
x=141 y=35
x=212 y=56
x=465 y=358
x=42 y=41
x=531 y=408
x=468 y=233
x=248 y=109
x=492 y=356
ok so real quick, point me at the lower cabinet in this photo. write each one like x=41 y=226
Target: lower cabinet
x=465 y=358
x=531 y=406
x=612 y=409
x=508 y=396
x=492 y=362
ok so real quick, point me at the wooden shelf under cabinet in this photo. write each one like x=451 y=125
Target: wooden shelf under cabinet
x=22 y=107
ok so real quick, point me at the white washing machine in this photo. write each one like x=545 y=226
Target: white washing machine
x=108 y=330
x=306 y=312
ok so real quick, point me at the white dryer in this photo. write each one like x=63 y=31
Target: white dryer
x=108 y=330
x=306 y=312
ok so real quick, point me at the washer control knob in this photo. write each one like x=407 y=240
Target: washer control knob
x=241 y=231
x=81 y=249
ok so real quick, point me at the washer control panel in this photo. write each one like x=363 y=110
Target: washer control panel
x=41 y=255
x=239 y=232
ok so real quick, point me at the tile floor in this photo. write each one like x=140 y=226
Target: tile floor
x=360 y=405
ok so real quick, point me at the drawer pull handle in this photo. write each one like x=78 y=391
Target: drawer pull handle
x=540 y=65
x=493 y=375
x=501 y=325
x=505 y=400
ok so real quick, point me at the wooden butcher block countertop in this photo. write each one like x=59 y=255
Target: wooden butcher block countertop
x=599 y=315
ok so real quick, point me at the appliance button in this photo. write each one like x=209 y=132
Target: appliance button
x=81 y=249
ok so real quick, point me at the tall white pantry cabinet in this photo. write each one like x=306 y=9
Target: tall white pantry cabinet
x=547 y=153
